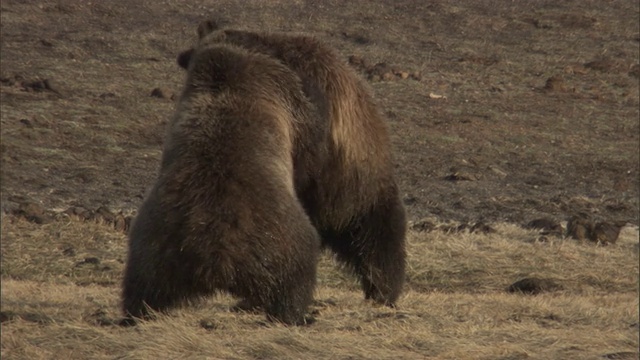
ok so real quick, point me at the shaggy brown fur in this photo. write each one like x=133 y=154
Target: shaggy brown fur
x=223 y=214
x=353 y=200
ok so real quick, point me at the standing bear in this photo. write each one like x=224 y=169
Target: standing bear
x=352 y=198
x=223 y=214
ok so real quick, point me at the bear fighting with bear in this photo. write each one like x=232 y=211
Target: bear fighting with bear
x=334 y=156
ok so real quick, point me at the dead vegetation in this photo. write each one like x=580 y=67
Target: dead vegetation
x=458 y=302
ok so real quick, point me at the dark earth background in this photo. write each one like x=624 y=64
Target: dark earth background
x=498 y=110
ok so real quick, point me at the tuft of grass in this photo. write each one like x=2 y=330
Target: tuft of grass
x=455 y=304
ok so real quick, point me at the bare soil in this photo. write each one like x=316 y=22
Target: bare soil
x=509 y=110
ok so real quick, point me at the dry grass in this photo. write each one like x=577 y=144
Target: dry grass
x=455 y=305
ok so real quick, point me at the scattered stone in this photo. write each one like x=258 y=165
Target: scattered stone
x=39 y=85
x=496 y=170
x=32 y=212
x=208 y=324
x=69 y=251
x=623 y=355
x=481 y=228
x=15 y=80
x=82 y=213
x=533 y=286
x=423 y=226
x=458 y=176
x=410 y=200
x=555 y=83
x=436 y=96
x=359 y=62
x=122 y=223
x=46 y=43
x=388 y=76
x=325 y=303
x=99 y=317
x=27 y=123
x=6 y=316
x=635 y=70
x=357 y=38
x=603 y=65
x=89 y=261
x=162 y=93
x=381 y=70
x=41 y=319
x=105 y=215
x=606 y=233
x=126 y=322
x=107 y=95
x=580 y=227
x=546 y=226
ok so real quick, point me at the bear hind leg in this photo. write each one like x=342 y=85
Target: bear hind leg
x=373 y=246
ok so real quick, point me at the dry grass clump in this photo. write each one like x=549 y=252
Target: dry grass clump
x=455 y=306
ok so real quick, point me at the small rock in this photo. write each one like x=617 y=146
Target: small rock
x=359 y=62
x=162 y=93
x=69 y=251
x=39 y=85
x=7 y=316
x=546 y=225
x=606 y=233
x=105 y=215
x=533 y=286
x=416 y=75
x=555 y=83
x=580 y=227
x=208 y=324
x=635 y=70
x=410 y=200
x=403 y=75
x=127 y=322
x=27 y=123
x=82 y=213
x=122 y=223
x=604 y=65
x=423 y=226
x=623 y=355
x=388 y=76
x=481 y=228
x=107 y=95
x=33 y=212
x=89 y=261
x=458 y=176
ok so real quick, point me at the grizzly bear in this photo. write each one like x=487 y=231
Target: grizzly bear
x=353 y=199
x=223 y=214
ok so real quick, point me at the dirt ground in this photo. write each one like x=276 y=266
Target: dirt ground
x=499 y=111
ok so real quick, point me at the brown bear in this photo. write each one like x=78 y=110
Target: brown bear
x=223 y=214
x=352 y=199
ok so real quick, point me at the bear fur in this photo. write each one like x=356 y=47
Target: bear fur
x=353 y=199
x=223 y=214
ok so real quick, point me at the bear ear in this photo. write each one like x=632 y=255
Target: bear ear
x=184 y=58
x=207 y=27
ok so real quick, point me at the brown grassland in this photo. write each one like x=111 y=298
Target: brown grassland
x=499 y=111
